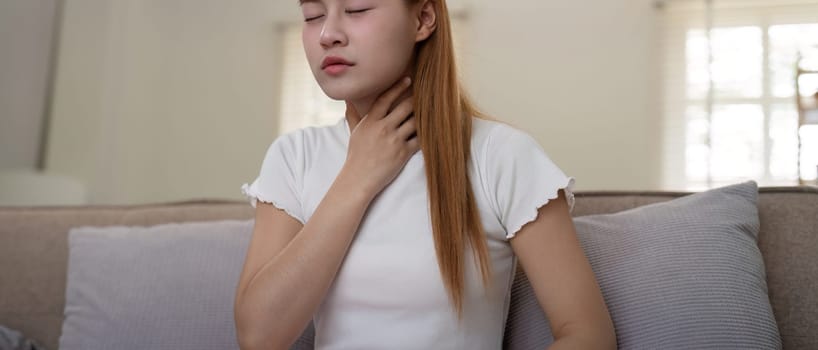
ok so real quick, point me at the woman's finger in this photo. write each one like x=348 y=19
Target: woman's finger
x=400 y=113
x=382 y=103
x=407 y=128
x=413 y=144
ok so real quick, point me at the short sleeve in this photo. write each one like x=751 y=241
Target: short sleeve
x=521 y=178
x=279 y=181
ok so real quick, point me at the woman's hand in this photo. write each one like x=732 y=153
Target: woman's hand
x=382 y=141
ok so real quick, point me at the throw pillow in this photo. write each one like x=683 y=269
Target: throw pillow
x=681 y=274
x=11 y=339
x=163 y=287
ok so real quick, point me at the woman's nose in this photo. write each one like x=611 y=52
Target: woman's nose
x=332 y=33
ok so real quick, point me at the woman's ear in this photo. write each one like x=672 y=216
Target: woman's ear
x=427 y=20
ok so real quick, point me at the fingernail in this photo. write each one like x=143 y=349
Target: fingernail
x=407 y=81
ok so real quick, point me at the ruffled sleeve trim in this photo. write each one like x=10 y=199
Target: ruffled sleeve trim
x=568 y=187
x=252 y=193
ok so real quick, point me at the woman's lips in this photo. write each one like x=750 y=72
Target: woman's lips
x=336 y=69
x=335 y=65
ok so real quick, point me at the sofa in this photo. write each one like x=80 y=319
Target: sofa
x=34 y=252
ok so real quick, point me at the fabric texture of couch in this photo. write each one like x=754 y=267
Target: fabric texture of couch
x=34 y=252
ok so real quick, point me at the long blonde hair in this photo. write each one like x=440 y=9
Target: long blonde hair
x=444 y=127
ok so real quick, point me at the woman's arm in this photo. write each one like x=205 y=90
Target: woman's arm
x=563 y=281
x=289 y=268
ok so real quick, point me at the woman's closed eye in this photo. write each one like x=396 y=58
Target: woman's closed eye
x=351 y=12
x=310 y=19
x=357 y=11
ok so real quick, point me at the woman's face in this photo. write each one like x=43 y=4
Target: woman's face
x=358 y=48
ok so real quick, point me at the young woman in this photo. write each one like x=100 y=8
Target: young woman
x=400 y=227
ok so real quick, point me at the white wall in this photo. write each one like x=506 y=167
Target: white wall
x=26 y=30
x=577 y=75
x=161 y=100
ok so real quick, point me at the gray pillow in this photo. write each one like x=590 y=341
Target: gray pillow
x=681 y=274
x=11 y=339
x=162 y=287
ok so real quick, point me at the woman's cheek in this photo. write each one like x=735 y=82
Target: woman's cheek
x=312 y=51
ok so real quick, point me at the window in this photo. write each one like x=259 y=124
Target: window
x=303 y=103
x=729 y=95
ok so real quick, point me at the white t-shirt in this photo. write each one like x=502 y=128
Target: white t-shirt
x=389 y=293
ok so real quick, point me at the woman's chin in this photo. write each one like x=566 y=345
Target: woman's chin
x=337 y=96
x=350 y=89
x=334 y=92
x=339 y=93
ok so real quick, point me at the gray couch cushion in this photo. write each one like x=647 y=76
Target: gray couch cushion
x=169 y=286
x=682 y=274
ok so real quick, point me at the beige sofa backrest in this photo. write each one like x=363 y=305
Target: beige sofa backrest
x=34 y=252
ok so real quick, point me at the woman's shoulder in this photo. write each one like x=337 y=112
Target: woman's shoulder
x=310 y=137
x=494 y=135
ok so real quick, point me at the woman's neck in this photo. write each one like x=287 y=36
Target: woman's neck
x=362 y=107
